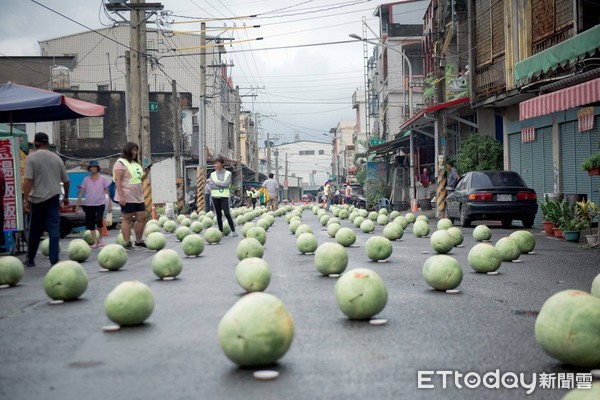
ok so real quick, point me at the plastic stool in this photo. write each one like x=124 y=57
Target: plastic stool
x=9 y=242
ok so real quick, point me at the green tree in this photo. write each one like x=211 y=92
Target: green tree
x=478 y=153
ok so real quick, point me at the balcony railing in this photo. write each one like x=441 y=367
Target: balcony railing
x=490 y=79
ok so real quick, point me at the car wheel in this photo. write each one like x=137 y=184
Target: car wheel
x=464 y=221
x=506 y=223
x=65 y=227
x=528 y=222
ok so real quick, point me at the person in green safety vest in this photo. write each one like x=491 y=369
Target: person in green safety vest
x=252 y=197
x=128 y=176
x=220 y=180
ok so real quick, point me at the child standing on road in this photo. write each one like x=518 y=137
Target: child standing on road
x=95 y=187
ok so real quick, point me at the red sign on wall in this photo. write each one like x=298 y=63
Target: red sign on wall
x=585 y=118
x=10 y=162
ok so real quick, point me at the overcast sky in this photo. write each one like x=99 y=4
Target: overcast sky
x=305 y=90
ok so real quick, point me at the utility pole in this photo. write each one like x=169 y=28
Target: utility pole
x=256 y=155
x=285 y=182
x=201 y=170
x=128 y=94
x=177 y=146
x=137 y=73
x=277 y=165
x=138 y=113
x=268 y=153
x=238 y=141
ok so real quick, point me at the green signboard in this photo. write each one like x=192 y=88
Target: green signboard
x=374 y=142
x=153 y=106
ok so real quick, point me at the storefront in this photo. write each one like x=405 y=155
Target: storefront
x=554 y=134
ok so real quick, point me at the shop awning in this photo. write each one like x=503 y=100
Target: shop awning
x=421 y=117
x=564 y=53
x=573 y=96
x=422 y=122
x=391 y=146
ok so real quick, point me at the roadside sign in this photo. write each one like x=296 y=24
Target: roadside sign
x=153 y=106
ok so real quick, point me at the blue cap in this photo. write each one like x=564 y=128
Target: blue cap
x=93 y=163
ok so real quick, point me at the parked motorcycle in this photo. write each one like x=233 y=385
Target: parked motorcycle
x=192 y=204
x=360 y=201
x=236 y=201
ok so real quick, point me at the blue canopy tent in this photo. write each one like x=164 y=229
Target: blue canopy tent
x=20 y=103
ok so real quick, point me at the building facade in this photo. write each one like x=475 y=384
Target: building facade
x=536 y=70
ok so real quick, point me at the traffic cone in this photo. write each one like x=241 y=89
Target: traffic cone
x=293 y=203
x=154 y=215
x=104 y=231
x=415 y=207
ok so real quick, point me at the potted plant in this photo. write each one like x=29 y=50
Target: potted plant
x=550 y=214
x=592 y=164
x=571 y=228
x=587 y=211
x=564 y=212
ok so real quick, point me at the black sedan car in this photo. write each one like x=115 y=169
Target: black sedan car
x=492 y=195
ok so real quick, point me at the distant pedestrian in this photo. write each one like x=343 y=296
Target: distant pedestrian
x=425 y=178
x=220 y=180
x=348 y=193
x=128 y=175
x=207 y=200
x=328 y=193
x=452 y=174
x=273 y=189
x=254 y=197
x=95 y=188
x=44 y=171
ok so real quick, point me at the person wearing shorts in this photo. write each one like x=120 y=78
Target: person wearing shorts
x=95 y=188
x=128 y=175
x=272 y=188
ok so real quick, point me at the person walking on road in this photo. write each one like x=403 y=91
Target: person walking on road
x=328 y=193
x=348 y=193
x=128 y=175
x=253 y=197
x=220 y=180
x=207 y=200
x=273 y=190
x=44 y=171
x=95 y=188
x=452 y=175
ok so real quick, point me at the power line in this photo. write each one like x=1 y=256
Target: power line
x=87 y=27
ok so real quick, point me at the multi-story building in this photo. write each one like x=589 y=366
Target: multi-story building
x=342 y=158
x=306 y=159
x=359 y=137
x=401 y=31
x=536 y=71
x=100 y=64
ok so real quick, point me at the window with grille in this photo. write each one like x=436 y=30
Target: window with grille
x=90 y=128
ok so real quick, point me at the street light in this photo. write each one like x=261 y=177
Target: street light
x=410 y=99
x=379 y=43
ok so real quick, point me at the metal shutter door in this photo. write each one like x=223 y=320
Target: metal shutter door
x=576 y=147
x=567 y=157
x=541 y=166
x=514 y=156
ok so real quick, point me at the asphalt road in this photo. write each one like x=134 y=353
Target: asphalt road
x=61 y=352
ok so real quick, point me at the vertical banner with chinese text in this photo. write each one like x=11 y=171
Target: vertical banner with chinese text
x=10 y=162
